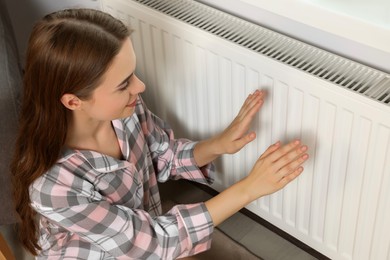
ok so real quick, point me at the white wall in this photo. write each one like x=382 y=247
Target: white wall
x=364 y=42
x=363 y=39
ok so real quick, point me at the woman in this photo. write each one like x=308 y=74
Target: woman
x=89 y=152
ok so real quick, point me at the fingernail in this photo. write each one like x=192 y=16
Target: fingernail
x=303 y=148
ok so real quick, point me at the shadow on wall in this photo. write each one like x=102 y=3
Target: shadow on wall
x=23 y=16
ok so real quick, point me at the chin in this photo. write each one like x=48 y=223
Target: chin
x=128 y=112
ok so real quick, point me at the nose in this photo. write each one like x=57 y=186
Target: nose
x=139 y=86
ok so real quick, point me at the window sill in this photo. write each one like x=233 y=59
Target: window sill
x=342 y=25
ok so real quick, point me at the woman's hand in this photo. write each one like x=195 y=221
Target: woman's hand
x=275 y=168
x=236 y=135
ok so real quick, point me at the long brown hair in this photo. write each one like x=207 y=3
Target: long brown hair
x=68 y=52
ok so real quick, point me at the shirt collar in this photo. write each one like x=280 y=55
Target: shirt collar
x=98 y=161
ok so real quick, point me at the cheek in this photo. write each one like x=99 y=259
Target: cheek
x=124 y=99
x=120 y=101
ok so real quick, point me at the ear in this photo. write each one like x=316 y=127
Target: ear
x=71 y=101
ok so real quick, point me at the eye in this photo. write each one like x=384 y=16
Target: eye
x=124 y=85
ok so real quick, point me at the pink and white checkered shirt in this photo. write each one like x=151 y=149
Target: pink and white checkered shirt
x=93 y=206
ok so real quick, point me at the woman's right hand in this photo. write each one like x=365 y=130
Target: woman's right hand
x=275 y=168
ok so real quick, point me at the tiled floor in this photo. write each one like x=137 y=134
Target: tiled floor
x=245 y=232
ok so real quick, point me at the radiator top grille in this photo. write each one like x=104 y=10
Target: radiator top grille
x=346 y=73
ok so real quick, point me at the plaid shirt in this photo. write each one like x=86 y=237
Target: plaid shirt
x=93 y=206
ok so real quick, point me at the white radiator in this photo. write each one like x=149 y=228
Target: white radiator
x=199 y=64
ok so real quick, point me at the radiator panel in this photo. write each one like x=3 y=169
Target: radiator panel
x=197 y=81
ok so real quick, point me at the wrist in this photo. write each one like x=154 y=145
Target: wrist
x=243 y=188
x=206 y=151
x=249 y=191
x=216 y=145
x=228 y=202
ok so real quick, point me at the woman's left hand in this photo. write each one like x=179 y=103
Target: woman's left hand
x=236 y=135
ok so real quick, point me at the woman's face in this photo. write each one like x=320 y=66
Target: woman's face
x=116 y=96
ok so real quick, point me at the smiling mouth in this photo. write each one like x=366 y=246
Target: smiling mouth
x=132 y=104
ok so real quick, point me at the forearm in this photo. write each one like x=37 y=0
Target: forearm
x=228 y=202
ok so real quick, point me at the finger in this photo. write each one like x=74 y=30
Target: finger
x=289 y=157
x=249 y=101
x=284 y=150
x=246 y=118
x=271 y=149
x=248 y=115
x=252 y=102
x=240 y=143
x=292 y=166
x=290 y=177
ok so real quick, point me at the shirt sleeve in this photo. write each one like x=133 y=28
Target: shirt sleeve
x=71 y=203
x=173 y=158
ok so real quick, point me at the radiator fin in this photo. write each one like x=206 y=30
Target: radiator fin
x=343 y=72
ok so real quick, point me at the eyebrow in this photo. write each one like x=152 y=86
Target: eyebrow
x=126 y=79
